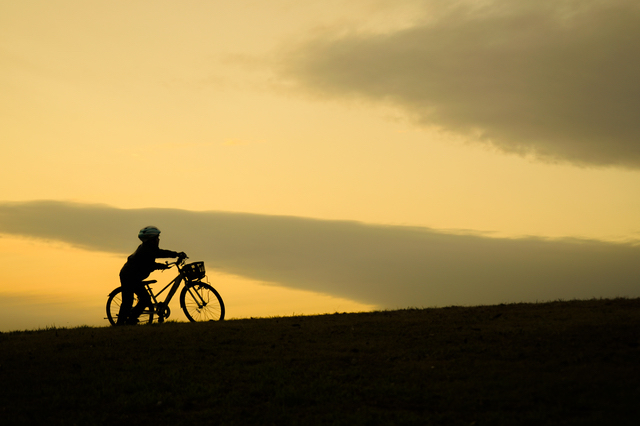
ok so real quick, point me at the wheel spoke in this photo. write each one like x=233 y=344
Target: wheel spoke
x=201 y=302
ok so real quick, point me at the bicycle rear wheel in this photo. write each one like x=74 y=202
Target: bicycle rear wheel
x=201 y=302
x=113 y=308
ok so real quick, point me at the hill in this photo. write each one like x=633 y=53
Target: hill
x=559 y=363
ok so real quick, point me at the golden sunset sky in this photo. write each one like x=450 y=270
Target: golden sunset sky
x=319 y=156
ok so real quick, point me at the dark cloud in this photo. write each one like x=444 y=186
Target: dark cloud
x=554 y=78
x=388 y=266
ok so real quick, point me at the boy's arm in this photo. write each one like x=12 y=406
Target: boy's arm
x=159 y=266
x=169 y=253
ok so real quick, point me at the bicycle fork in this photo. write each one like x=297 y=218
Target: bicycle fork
x=198 y=297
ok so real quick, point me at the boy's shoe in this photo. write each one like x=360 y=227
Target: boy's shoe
x=132 y=321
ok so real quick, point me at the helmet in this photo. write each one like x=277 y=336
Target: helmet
x=148 y=232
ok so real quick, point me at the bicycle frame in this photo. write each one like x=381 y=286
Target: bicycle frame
x=161 y=307
x=174 y=284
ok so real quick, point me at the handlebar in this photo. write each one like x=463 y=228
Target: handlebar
x=179 y=262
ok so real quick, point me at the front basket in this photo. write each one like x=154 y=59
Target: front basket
x=194 y=271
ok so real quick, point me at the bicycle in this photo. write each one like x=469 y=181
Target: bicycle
x=199 y=300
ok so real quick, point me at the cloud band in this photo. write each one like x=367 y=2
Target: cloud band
x=389 y=266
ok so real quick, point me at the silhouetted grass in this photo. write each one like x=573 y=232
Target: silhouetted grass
x=560 y=363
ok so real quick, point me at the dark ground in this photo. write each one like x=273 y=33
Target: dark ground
x=560 y=363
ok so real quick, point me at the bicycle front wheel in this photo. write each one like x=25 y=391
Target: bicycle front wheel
x=113 y=308
x=201 y=302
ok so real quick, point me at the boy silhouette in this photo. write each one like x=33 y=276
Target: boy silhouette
x=138 y=267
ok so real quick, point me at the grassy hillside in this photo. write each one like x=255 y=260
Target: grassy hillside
x=564 y=363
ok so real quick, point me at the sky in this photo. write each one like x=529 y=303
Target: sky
x=319 y=157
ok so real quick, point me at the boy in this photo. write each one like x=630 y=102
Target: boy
x=138 y=267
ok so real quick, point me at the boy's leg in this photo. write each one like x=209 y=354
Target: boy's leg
x=144 y=300
x=125 y=306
